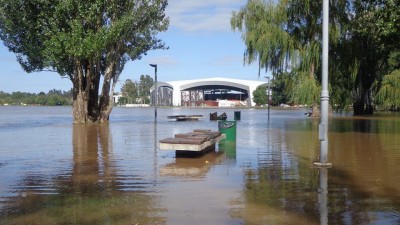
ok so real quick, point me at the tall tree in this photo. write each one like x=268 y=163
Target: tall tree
x=285 y=36
x=375 y=29
x=88 y=42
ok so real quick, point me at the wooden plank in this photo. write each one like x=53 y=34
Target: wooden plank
x=176 y=145
x=185 y=117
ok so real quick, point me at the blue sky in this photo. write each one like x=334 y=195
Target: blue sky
x=201 y=45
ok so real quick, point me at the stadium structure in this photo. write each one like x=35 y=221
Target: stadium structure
x=217 y=92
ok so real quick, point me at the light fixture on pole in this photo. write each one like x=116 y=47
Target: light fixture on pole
x=156 y=89
x=268 y=94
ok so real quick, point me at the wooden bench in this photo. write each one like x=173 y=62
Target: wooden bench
x=196 y=141
x=185 y=117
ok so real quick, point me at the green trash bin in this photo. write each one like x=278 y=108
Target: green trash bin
x=228 y=128
x=236 y=115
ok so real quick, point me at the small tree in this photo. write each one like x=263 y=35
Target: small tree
x=146 y=82
x=260 y=95
x=87 y=41
x=130 y=91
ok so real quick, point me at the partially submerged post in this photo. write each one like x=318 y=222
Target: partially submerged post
x=323 y=126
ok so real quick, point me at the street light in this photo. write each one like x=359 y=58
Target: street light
x=268 y=94
x=323 y=126
x=156 y=88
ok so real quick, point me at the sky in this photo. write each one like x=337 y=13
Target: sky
x=201 y=45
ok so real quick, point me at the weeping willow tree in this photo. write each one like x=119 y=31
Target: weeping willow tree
x=388 y=96
x=285 y=36
x=266 y=40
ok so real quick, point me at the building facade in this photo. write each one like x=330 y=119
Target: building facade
x=217 y=91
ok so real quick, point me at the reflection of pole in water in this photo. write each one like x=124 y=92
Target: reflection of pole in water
x=323 y=196
x=155 y=151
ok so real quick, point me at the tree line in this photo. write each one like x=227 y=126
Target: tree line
x=52 y=98
x=285 y=37
x=133 y=92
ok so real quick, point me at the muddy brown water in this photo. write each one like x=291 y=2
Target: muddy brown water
x=54 y=172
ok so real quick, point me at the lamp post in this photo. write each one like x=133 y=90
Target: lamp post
x=323 y=126
x=268 y=94
x=156 y=89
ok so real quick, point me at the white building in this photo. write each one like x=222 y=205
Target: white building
x=179 y=93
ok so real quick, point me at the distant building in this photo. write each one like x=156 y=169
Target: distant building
x=222 y=92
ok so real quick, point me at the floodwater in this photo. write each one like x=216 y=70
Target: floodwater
x=54 y=172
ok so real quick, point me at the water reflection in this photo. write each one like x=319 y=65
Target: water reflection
x=93 y=169
x=56 y=173
x=323 y=196
x=155 y=145
x=229 y=149
x=92 y=191
x=192 y=167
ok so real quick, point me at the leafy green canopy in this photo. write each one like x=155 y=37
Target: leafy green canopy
x=87 y=41
x=284 y=36
x=53 y=34
x=260 y=95
x=388 y=96
x=263 y=27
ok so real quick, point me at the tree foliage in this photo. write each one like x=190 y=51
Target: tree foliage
x=285 y=36
x=263 y=27
x=52 y=98
x=388 y=96
x=145 y=83
x=137 y=92
x=260 y=95
x=130 y=91
x=281 y=86
x=88 y=42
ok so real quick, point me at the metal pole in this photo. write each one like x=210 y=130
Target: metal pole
x=268 y=94
x=323 y=126
x=323 y=196
x=156 y=90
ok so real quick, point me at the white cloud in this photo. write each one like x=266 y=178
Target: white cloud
x=203 y=15
x=163 y=60
x=228 y=60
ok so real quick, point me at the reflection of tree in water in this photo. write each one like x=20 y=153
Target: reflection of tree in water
x=91 y=193
x=363 y=185
x=278 y=194
x=282 y=189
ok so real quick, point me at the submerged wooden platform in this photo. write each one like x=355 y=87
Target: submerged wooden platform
x=196 y=141
x=185 y=117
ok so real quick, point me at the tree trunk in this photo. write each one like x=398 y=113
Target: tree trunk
x=315 y=111
x=363 y=105
x=87 y=108
x=79 y=105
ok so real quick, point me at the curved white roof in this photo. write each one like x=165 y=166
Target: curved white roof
x=178 y=86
